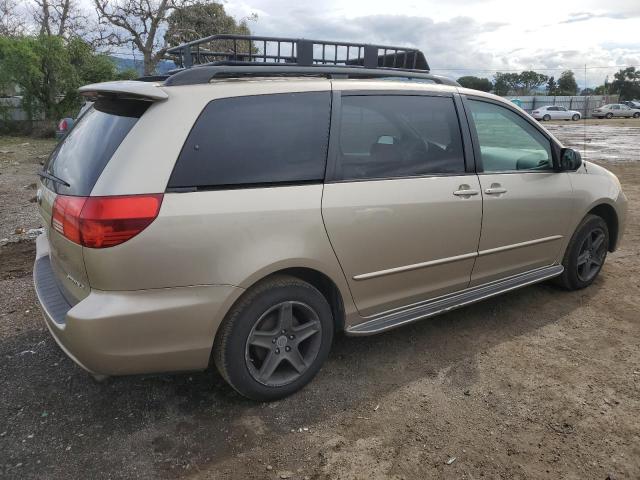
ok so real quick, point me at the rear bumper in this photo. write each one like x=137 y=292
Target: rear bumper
x=132 y=332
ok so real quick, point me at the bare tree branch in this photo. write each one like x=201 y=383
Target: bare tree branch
x=138 y=22
x=62 y=18
x=11 y=22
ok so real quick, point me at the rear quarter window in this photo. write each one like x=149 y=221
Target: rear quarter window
x=84 y=153
x=256 y=140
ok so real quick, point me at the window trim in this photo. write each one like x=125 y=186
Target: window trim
x=555 y=147
x=334 y=133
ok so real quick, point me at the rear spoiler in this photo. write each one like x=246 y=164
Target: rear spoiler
x=131 y=89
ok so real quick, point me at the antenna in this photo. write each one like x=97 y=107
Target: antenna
x=584 y=119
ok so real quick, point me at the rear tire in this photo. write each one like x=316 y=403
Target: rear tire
x=585 y=254
x=609 y=116
x=636 y=115
x=275 y=339
x=575 y=118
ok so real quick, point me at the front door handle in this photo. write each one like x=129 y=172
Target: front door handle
x=495 y=189
x=465 y=191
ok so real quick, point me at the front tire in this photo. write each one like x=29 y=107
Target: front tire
x=636 y=115
x=575 y=117
x=275 y=339
x=609 y=116
x=585 y=254
x=546 y=118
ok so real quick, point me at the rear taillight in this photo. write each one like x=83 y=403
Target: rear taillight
x=63 y=126
x=100 y=222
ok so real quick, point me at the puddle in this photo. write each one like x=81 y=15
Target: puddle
x=601 y=143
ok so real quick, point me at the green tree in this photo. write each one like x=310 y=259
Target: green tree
x=552 y=86
x=519 y=83
x=530 y=80
x=501 y=83
x=626 y=83
x=49 y=71
x=603 y=89
x=202 y=19
x=483 y=84
x=567 y=84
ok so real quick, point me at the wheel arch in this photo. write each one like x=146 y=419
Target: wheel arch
x=326 y=286
x=336 y=294
x=610 y=216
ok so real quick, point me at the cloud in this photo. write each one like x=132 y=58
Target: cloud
x=466 y=45
x=444 y=43
x=586 y=16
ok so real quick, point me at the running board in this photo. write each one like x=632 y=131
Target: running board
x=449 y=302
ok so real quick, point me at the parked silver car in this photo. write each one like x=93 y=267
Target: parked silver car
x=616 y=110
x=555 y=112
x=284 y=207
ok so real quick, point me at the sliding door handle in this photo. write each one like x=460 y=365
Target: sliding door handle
x=495 y=189
x=465 y=192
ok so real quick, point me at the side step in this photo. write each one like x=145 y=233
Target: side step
x=440 y=305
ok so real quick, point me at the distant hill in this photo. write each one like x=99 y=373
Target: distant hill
x=130 y=64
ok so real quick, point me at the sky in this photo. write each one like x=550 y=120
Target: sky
x=470 y=37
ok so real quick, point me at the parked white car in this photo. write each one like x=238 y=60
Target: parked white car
x=616 y=110
x=555 y=112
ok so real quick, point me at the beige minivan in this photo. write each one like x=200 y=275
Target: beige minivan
x=245 y=212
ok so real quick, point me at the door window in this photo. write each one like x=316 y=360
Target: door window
x=390 y=136
x=507 y=141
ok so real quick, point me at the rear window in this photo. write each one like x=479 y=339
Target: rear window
x=81 y=157
x=256 y=140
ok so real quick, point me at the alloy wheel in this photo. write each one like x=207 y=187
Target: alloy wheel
x=592 y=253
x=283 y=343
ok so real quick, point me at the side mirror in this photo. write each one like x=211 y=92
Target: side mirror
x=570 y=159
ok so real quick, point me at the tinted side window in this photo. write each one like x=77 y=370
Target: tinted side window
x=507 y=141
x=85 y=151
x=260 y=139
x=390 y=136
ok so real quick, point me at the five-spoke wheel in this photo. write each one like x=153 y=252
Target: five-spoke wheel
x=275 y=339
x=592 y=254
x=283 y=343
x=585 y=254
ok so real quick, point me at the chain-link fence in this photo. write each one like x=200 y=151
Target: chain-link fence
x=584 y=105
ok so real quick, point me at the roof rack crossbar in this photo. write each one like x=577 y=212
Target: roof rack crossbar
x=298 y=51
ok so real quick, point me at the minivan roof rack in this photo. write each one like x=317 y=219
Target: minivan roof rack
x=229 y=55
x=298 y=51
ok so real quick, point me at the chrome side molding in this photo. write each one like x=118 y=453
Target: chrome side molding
x=415 y=312
x=464 y=256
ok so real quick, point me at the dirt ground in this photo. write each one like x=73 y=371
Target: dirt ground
x=538 y=383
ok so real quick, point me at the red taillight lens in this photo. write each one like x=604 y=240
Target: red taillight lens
x=100 y=222
x=66 y=216
x=62 y=126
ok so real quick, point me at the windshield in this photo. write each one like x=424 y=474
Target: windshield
x=84 y=153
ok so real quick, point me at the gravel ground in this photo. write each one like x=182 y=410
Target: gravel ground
x=538 y=383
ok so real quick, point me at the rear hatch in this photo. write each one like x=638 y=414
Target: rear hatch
x=69 y=176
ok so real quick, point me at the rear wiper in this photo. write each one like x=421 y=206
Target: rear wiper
x=53 y=178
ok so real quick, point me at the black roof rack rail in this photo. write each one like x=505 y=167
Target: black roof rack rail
x=153 y=78
x=299 y=51
x=221 y=70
